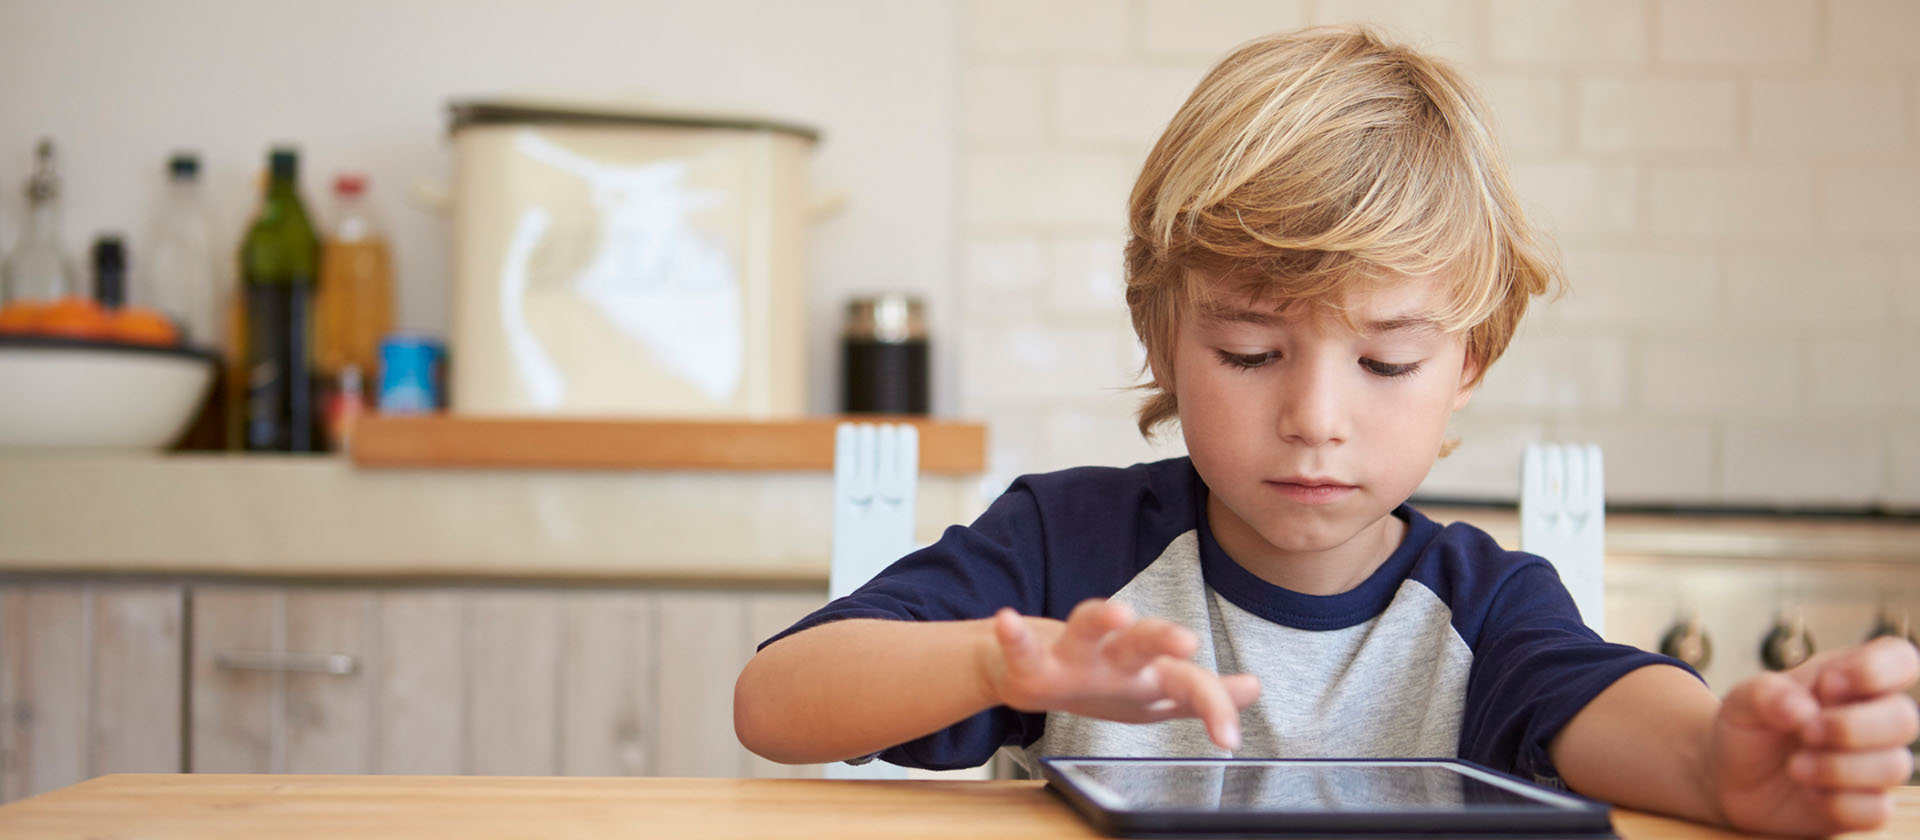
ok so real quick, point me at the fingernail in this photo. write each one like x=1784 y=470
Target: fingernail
x=1231 y=734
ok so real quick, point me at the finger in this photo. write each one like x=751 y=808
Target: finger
x=1148 y=639
x=1855 y=810
x=1771 y=701
x=1858 y=769
x=1243 y=688
x=1202 y=692
x=1879 y=666
x=1889 y=720
x=1018 y=648
x=1088 y=625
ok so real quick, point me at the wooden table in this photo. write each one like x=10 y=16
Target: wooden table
x=483 y=808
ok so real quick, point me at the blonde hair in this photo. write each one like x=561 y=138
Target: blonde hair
x=1309 y=164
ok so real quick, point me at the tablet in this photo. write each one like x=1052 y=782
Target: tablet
x=1345 y=797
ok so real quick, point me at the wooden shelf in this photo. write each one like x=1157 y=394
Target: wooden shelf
x=946 y=447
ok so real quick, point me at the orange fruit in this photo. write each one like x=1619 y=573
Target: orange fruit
x=21 y=317
x=140 y=325
x=74 y=317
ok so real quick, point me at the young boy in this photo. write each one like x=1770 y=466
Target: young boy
x=1325 y=257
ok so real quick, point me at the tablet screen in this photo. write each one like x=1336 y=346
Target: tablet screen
x=1343 y=795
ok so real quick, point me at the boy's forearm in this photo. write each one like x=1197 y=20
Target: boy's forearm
x=1642 y=744
x=853 y=687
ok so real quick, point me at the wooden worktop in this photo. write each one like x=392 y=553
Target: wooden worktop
x=367 y=807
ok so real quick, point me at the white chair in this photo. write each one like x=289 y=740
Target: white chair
x=876 y=469
x=1563 y=517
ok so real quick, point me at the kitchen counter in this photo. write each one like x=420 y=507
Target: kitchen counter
x=309 y=516
x=329 y=807
x=324 y=517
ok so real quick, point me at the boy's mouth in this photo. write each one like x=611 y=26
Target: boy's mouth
x=1313 y=491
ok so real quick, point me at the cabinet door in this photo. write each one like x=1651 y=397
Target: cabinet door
x=513 y=683
x=90 y=683
x=321 y=680
x=419 y=670
x=280 y=680
x=607 y=684
x=486 y=681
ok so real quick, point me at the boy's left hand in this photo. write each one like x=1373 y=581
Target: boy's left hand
x=1816 y=749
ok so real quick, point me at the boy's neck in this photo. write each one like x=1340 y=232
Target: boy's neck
x=1330 y=571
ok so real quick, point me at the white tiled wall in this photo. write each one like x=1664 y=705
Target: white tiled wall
x=1735 y=185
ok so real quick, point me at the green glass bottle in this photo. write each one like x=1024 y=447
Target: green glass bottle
x=279 y=264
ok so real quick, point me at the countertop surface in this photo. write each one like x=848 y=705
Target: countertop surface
x=331 y=807
x=300 y=516
x=322 y=517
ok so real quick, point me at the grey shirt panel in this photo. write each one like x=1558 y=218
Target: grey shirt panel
x=1391 y=686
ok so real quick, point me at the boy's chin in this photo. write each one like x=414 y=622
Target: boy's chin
x=1295 y=537
x=1305 y=533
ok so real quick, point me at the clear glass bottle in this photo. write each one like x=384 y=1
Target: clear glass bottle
x=38 y=268
x=181 y=272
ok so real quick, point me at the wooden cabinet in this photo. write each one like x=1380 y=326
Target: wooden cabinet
x=98 y=678
x=91 y=682
x=479 y=680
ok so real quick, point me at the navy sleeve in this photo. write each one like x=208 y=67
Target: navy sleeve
x=969 y=573
x=1535 y=666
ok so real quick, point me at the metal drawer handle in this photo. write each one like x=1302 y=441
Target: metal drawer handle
x=335 y=664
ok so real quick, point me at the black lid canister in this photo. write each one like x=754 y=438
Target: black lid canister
x=883 y=353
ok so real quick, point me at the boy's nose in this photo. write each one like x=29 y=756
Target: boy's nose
x=1310 y=413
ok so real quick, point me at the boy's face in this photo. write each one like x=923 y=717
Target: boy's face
x=1309 y=433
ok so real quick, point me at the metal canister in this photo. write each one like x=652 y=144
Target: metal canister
x=883 y=354
x=412 y=378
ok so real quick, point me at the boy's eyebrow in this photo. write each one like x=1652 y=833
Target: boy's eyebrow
x=1216 y=311
x=1222 y=312
x=1412 y=323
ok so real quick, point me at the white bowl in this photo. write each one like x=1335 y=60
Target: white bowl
x=74 y=394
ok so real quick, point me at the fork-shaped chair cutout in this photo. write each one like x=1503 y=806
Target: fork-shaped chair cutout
x=1563 y=517
x=876 y=468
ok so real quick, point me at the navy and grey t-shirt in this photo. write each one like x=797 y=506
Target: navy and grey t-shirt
x=1454 y=647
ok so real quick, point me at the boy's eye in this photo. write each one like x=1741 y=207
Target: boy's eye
x=1245 y=361
x=1379 y=368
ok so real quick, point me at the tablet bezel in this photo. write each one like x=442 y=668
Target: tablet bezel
x=1560 y=814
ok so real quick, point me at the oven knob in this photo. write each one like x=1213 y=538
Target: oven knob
x=1787 y=644
x=1687 y=641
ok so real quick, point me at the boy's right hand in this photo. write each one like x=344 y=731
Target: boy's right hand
x=1105 y=662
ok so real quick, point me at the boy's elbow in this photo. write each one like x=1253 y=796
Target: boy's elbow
x=756 y=720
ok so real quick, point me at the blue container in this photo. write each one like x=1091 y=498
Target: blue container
x=410 y=374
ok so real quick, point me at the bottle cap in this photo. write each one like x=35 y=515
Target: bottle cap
x=110 y=271
x=284 y=162
x=44 y=185
x=349 y=183
x=183 y=166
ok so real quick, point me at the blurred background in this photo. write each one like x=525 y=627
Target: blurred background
x=1734 y=185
